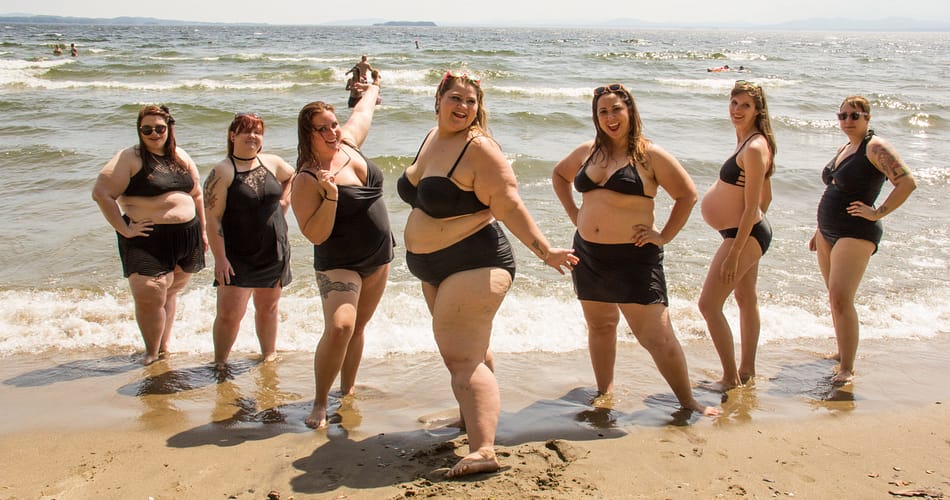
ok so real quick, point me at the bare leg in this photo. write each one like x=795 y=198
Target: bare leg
x=602 y=319
x=849 y=260
x=651 y=325
x=153 y=312
x=370 y=295
x=750 y=325
x=266 y=319
x=464 y=307
x=231 y=306
x=340 y=291
x=179 y=279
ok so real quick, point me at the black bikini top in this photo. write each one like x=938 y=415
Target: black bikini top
x=730 y=173
x=626 y=180
x=439 y=197
x=159 y=175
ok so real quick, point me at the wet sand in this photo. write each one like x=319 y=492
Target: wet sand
x=98 y=425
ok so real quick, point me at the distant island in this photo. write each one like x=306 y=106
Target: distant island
x=406 y=23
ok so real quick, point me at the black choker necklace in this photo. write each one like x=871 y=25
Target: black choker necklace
x=236 y=157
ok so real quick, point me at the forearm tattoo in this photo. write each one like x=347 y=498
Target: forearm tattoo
x=326 y=285
x=893 y=168
x=210 y=199
x=536 y=245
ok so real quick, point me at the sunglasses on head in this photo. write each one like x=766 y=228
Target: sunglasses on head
x=148 y=129
x=464 y=76
x=854 y=115
x=613 y=87
x=746 y=82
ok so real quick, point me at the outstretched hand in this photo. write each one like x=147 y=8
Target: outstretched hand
x=561 y=257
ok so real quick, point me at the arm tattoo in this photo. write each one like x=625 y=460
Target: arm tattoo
x=536 y=245
x=210 y=199
x=326 y=285
x=893 y=168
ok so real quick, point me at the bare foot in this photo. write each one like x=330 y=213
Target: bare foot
x=603 y=400
x=480 y=461
x=745 y=378
x=842 y=378
x=708 y=411
x=269 y=357
x=317 y=418
x=721 y=385
x=149 y=358
x=833 y=355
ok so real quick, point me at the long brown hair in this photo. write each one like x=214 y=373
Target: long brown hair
x=636 y=142
x=762 y=122
x=305 y=155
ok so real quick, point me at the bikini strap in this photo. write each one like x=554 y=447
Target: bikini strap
x=457 y=160
x=747 y=141
x=420 y=146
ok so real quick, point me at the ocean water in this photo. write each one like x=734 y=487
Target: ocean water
x=62 y=118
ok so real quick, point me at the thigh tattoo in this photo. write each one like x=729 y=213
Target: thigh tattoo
x=326 y=285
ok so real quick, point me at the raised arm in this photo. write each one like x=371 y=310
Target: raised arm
x=357 y=126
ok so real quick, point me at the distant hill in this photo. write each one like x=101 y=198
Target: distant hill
x=406 y=23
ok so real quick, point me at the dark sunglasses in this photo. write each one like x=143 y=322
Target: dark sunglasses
x=746 y=82
x=148 y=129
x=613 y=87
x=854 y=115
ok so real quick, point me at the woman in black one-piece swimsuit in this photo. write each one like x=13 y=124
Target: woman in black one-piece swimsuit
x=848 y=223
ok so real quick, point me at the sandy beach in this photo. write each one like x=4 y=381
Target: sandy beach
x=97 y=425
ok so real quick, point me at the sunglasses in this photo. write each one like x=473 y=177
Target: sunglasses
x=464 y=76
x=854 y=115
x=746 y=82
x=148 y=129
x=606 y=89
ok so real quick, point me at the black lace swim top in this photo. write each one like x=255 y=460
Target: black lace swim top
x=626 y=180
x=730 y=173
x=439 y=197
x=159 y=175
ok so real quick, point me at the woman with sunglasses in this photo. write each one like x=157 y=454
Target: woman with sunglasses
x=246 y=198
x=337 y=198
x=620 y=249
x=849 y=226
x=459 y=186
x=735 y=206
x=149 y=193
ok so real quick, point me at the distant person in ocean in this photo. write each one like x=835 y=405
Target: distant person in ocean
x=620 y=272
x=735 y=205
x=460 y=185
x=719 y=69
x=338 y=201
x=247 y=195
x=356 y=84
x=361 y=70
x=150 y=194
x=57 y=51
x=849 y=226
x=378 y=81
x=73 y=51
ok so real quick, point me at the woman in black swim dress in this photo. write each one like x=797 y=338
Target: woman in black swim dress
x=849 y=227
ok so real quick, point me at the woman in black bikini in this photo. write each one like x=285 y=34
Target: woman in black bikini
x=620 y=249
x=459 y=186
x=735 y=206
x=337 y=198
x=246 y=198
x=849 y=227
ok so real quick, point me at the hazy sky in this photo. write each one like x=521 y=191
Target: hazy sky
x=504 y=12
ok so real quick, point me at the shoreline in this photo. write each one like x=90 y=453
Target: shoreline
x=97 y=424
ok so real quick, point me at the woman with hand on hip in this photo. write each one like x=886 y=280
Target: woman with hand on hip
x=735 y=206
x=460 y=186
x=150 y=194
x=246 y=198
x=337 y=198
x=620 y=249
x=849 y=226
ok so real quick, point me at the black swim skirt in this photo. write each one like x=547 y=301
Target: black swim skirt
x=488 y=247
x=834 y=222
x=761 y=231
x=619 y=273
x=165 y=247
